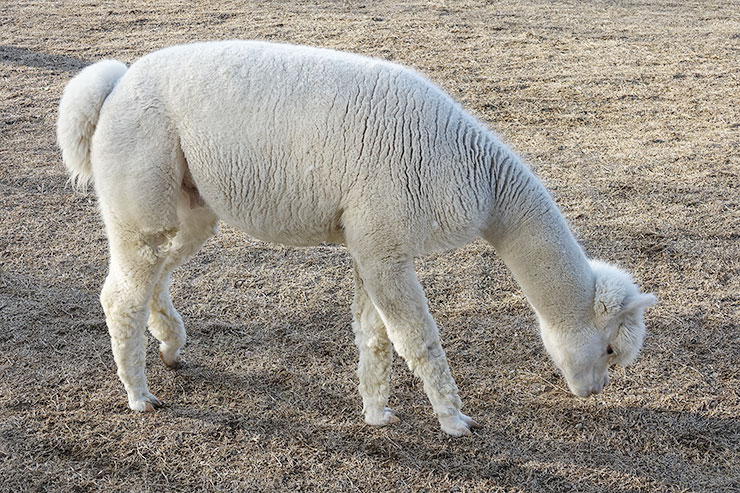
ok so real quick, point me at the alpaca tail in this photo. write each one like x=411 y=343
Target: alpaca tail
x=78 y=116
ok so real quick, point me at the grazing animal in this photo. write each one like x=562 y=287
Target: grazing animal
x=299 y=145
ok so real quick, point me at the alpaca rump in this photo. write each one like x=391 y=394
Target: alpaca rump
x=300 y=145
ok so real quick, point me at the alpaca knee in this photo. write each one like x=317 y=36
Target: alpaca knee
x=426 y=359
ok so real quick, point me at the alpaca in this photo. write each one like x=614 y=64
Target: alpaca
x=299 y=145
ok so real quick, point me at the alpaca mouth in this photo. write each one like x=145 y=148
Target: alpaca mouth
x=589 y=390
x=585 y=393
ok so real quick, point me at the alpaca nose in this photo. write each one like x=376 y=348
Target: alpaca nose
x=596 y=389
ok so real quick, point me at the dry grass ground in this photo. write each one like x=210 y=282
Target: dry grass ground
x=629 y=112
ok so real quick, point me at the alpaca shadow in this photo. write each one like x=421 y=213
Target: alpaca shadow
x=16 y=55
x=416 y=445
x=259 y=401
x=284 y=379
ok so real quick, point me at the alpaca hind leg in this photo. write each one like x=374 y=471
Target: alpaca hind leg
x=400 y=301
x=136 y=263
x=165 y=324
x=138 y=168
x=376 y=356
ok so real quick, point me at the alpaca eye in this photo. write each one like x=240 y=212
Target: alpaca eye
x=609 y=349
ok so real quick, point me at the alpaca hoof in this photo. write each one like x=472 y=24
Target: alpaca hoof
x=381 y=418
x=170 y=361
x=458 y=425
x=146 y=404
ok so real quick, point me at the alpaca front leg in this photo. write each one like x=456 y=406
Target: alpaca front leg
x=376 y=356
x=402 y=306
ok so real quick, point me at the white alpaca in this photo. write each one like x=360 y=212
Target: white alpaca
x=300 y=145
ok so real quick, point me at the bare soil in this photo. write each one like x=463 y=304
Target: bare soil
x=629 y=112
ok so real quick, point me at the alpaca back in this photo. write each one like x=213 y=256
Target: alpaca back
x=281 y=140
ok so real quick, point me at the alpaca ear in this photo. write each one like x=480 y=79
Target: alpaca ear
x=637 y=303
x=615 y=293
x=608 y=306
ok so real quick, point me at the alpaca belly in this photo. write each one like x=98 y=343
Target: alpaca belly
x=278 y=211
x=286 y=229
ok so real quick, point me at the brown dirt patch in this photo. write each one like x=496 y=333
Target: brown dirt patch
x=628 y=111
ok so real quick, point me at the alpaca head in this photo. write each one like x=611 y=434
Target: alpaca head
x=612 y=332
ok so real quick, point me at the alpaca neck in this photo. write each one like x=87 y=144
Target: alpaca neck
x=533 y=239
